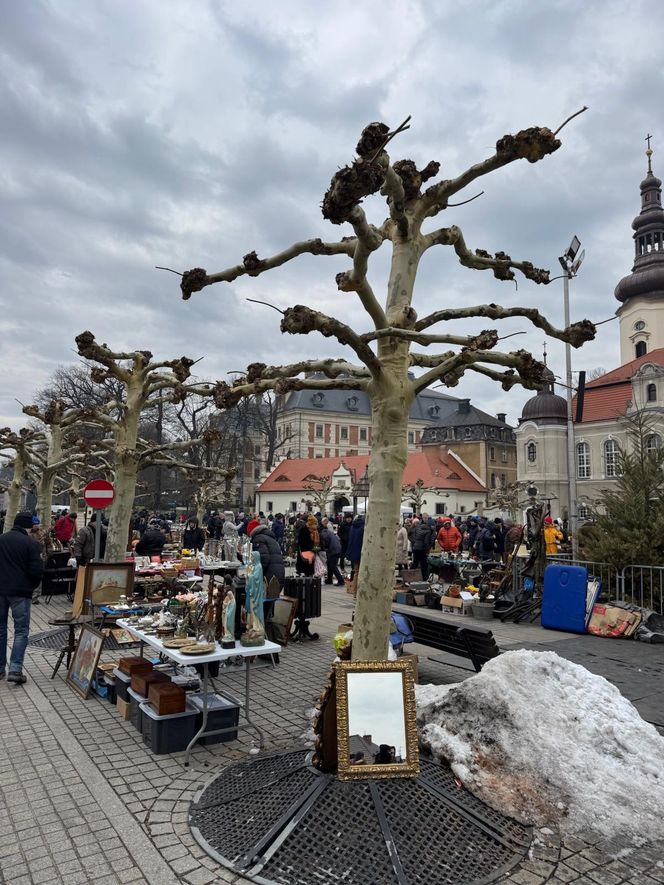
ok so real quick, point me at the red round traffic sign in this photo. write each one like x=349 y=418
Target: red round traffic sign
x=98 y=494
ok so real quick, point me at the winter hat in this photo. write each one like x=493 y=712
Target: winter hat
x=548 y=520
x=23 y=520
x=36 y=520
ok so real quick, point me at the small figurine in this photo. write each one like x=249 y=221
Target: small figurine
x=255 y=596
x=228 y=619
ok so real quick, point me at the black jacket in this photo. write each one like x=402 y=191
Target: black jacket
x=422 y=537
x=344 y=534
x=193 y=539
x=152 y=543
x=272 y=560
x=21 y=565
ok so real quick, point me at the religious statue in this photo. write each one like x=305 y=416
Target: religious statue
x=231 y=536
x=228 y=620
x=255 y=595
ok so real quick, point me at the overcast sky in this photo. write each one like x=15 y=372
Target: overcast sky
x=375 y=707
x=163 y=132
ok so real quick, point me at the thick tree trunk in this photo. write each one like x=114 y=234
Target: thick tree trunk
x=74 y=491
x=126 y=464
x=14 y=491
x=389 y=451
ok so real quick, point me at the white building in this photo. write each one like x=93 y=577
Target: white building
x=636 y=385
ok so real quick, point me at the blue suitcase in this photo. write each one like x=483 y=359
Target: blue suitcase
x=564 y=603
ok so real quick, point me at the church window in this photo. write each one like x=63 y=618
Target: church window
x=493 y=480
x=583 y=460
x=640 y=349
x=651 y=393
x=611 y=451
x=653 y=442
x=639 y=325
x=531 y=452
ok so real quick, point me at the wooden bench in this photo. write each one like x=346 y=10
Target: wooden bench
x=460 y=640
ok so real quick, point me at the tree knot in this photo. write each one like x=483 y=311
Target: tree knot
x=412 y=178
x=531 y=144
x=193 y=281
x=347 y=188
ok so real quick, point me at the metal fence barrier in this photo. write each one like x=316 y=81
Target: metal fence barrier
x=608 y=574
x=643 y=585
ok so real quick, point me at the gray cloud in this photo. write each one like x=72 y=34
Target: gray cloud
x=152 y=133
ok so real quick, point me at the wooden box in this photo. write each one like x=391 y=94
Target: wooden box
x=166 y=698
x=141 y=682
x=134 y=665
x=123 y=708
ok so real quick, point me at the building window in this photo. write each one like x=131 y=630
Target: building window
x=462 y=508
x=492 y=453
x=583 y=511
x=257 y=450
x=639 y=326
x=503 y=456
x=653 y=442
x=640 y=349
x=363 y=434
x=411 y=438
x=343 y=433
x=270 y=506
x=319 y=431
x=531 y=452
x=611 y=458
x=257 y=473
x=503 y=480
x=293 y=506
x=468 y=433
x=583 y=460
x=440 y=509
x=493 y=480
x=651 y=393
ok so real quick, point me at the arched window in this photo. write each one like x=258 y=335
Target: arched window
x=611 y=458
x=653 y=442
x=531 y=452
x=640 y=349
x=651 y=393
x=583 y=460
x=493 y=480
x=468 y=433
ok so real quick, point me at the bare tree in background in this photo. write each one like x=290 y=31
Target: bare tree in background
x=18 y=451
x=414 y=494
x=144 y=382
x=320 y=491
x=397 y=339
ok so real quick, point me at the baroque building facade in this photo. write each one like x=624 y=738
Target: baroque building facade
x=636 y=385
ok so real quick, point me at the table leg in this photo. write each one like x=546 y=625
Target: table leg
x=71 y=643
x=247 y=695
x=201 y=730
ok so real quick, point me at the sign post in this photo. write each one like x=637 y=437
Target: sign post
x=98 y=494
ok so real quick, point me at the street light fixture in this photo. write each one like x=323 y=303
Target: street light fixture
x=570 y=262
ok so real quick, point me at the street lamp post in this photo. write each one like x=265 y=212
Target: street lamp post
x=570 y=263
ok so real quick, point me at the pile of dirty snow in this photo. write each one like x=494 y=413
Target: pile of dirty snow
x=545 y=741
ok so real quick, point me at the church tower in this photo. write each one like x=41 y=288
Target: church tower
x=642 y=292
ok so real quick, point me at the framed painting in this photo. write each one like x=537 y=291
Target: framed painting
x=83 y=667
x=106 y=582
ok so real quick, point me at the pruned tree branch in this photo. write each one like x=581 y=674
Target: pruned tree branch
x=300 y=320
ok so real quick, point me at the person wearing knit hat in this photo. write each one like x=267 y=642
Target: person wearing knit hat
x=552 y=536
x=21 y=569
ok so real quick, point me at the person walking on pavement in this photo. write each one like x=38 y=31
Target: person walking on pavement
x=344 y=534
x=422 y=541
x=330 y=543
x=84 y=545
x=21 y=569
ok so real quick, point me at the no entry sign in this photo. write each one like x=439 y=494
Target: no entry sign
x=98 y=494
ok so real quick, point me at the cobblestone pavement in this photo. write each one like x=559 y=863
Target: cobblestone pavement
x=83 y=800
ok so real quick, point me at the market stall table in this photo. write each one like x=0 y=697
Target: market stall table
x=222 y=654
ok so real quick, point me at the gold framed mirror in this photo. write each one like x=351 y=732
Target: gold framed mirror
x=376 y=722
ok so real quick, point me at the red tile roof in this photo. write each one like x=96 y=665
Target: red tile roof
x=607 y=396
x=430 y=466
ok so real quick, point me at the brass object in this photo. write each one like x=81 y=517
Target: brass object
x=391 y=700
x=202 y=648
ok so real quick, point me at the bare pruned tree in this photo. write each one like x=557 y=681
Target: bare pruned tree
x=320 y=491
x=414 y=494
x=398 y=339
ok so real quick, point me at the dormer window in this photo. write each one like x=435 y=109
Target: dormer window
x=352 y=402
x=434 y=411
x=318 y=400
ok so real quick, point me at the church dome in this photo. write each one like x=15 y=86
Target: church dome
x=647 y=277
x=546 y=406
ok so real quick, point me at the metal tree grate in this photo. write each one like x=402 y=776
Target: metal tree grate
x=277 y=820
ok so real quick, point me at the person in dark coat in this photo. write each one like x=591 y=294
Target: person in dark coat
x=84 y=545
x=21 y=568
x=305 y=544
x=330 y=543
x=272 y=559
x=278 y=529
x=152 y=542
x=355 y=541
x=193 y=537
x=344 y=534
x=422 y=540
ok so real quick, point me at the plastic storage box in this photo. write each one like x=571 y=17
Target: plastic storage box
x=135 y=715
x=564 y=602
x=167 y=734
x=222 y=713
x=122 y=684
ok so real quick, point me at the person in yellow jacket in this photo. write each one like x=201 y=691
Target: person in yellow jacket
x=552 y=536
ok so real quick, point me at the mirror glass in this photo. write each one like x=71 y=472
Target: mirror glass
x=376 y=719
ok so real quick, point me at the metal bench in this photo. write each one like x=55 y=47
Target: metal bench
x=459 y=640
